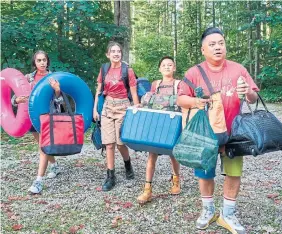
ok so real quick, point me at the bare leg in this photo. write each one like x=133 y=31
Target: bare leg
x=231 y=186
x=124 y=152
x=175 y=166
x=151 y=165
x=43 y=158
x=206 y=187
x=110 y=150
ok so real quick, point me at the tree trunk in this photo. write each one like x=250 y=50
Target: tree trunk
x=122 y=18
x=213 y=14
x=175 y=33
x=257 y=50
x=250 y=41
x=60 y=23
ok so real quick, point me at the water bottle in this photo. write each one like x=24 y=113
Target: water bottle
x=239 y=82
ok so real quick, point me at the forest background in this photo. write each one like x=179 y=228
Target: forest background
x=75 y=34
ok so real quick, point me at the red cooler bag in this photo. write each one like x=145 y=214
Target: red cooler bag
x=61 y=133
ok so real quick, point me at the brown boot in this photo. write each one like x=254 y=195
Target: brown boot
x=146 y=196
x=175 y=189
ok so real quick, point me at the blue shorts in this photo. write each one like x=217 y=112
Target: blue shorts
x=230 y=167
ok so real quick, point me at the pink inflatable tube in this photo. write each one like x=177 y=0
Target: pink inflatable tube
x=12 y=79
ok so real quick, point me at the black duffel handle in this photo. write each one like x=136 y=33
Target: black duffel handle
x=249 y=107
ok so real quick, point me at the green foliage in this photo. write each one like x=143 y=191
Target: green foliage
x=252 y=29
x=272 y=94
x=150 y=50
x=73 y=33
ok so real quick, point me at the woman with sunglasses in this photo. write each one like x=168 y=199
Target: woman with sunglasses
x=41 y=63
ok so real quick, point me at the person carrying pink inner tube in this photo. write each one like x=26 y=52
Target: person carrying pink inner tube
x=41 y=63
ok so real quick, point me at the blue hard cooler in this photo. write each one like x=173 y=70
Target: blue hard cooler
x=149 y=130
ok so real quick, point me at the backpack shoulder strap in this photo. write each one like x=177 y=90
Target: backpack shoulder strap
x=206 y=79
x=124 y=76
x=105 y=68
x=158 y=82
x=176 y=83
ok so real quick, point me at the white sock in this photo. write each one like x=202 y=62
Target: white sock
x=207 y=201
x=39 y=178
x=228 y=206
x=54 y=164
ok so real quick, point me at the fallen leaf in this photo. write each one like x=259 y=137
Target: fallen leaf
x=277 y=201
x=26 y=162
x=41 y=202
x=17 y=227
x=115 y=221
x=14 y=217
x=116 y=208
x=55 y=206
x=273 y=195
x=79 y=164
x=189 y=217
x=74 y=229
x=81 y=226
x=18 y=198
x=127 y=205
x=166 y=217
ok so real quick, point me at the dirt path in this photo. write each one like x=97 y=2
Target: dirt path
x=73 y=202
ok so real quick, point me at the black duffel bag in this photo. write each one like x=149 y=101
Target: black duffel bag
x=254 y=133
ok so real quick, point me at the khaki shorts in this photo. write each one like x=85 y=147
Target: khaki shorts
x=113 y=113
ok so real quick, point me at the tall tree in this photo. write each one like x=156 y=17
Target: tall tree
x=122 y=18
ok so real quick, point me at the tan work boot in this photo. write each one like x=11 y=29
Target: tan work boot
x=175 y=189
x=146 y=196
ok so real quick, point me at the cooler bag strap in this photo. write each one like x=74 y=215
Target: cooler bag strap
x=206 y=79
x=71 y=115
x=189 y=83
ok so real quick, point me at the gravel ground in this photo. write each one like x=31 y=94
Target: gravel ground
x=74 y=203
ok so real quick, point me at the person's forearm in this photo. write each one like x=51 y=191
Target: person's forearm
x=58 y=93
x=95 y=101
x=135 y=99
x=133 y=91
x=186 y=101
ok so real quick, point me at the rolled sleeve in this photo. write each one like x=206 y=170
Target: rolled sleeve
x=132 y=78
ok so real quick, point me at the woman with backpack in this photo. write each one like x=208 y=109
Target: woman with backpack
x=166 y=87
x=41 y=62
x=115 y=90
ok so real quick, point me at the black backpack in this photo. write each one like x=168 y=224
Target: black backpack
x=124 y=69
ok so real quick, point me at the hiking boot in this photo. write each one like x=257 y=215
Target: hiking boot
x=129 y=174
x=146 y=196
x=110 y=181
x=207 y=217
x=175 y=189
x=53 y=171
x=36 y=187
x=231 y=223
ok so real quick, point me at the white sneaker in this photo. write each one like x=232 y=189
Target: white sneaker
x=36 y=187
x=53 y=171
x=207 y=217
x=231 y=223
